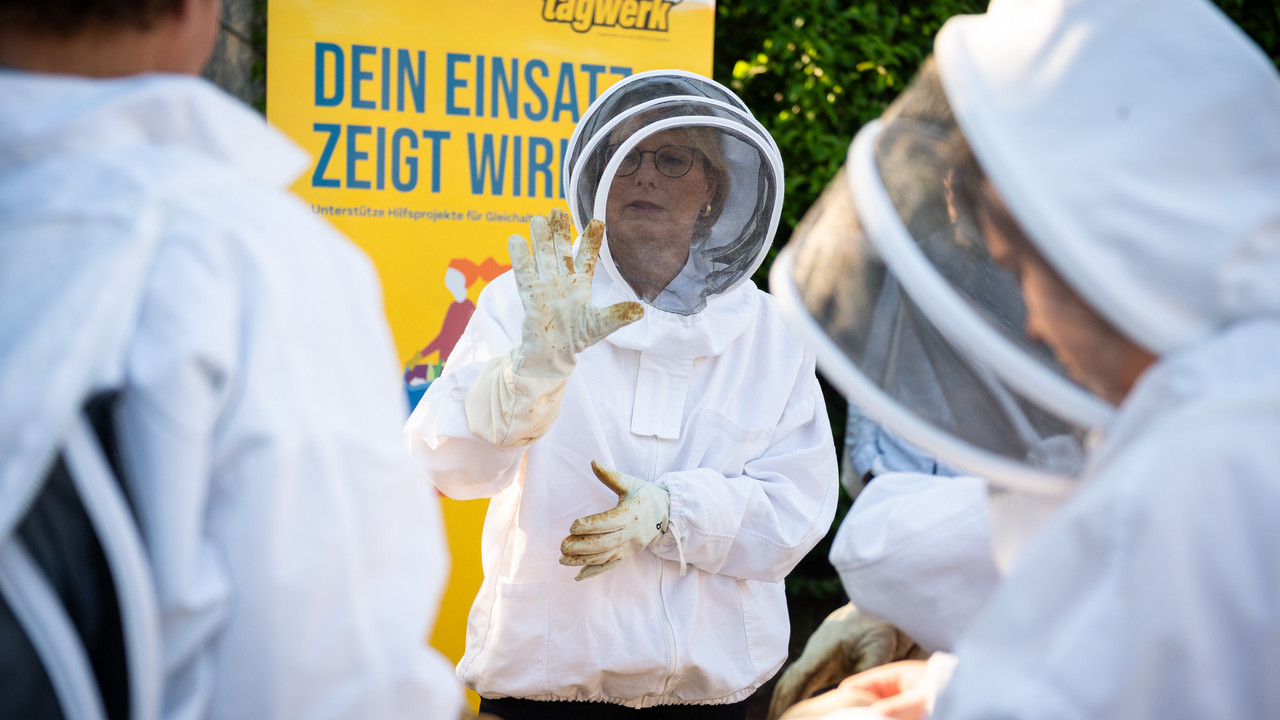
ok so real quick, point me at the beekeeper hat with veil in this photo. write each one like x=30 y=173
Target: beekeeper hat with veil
x=675 y=125
x=1082 y=117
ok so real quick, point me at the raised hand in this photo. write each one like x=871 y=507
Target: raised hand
x=555 y=289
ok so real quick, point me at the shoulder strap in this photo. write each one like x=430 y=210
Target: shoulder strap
x=77 y=580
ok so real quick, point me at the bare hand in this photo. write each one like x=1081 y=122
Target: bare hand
x=896 y=687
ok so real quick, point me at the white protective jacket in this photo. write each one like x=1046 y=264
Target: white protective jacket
x=723 y=409
x=915 y=550
x=1155 y=593
x=148 y=243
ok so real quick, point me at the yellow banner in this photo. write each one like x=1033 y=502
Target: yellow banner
x=437 y=129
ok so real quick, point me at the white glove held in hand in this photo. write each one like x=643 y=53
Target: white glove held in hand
x=517 y=396
x=555 y=289
x=600 y=541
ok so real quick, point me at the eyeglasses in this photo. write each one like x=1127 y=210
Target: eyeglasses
x=671 y=160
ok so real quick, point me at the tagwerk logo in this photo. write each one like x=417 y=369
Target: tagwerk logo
x=583 y=15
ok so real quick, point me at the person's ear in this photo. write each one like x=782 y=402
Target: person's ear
x=197 y=24
x=713 y=184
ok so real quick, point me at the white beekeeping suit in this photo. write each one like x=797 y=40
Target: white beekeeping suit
x=703 y=413
x=149 y=245
x=1131 y=152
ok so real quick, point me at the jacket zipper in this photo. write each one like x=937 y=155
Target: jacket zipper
x=662 y=600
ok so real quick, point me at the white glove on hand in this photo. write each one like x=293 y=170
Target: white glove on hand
x=517 y=396
x=555 y=289
x=845 y=644
x=600 y=541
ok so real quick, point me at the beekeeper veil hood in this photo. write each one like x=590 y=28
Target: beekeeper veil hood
x=687 y=182
x=1135 y=146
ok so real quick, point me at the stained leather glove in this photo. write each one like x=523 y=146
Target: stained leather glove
x=600 y=541
x=555 y=289
x=516 y=396
x=846 y=643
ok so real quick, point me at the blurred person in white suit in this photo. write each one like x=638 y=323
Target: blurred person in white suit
x=287 y=561
x=1080 y=202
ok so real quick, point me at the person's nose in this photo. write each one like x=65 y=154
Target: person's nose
x=647 y=173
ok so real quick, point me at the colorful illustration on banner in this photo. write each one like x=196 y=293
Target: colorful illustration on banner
x=464 y=280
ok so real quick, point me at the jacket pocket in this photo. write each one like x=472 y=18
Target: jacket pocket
x=716 y=442
x=768 y=628
x=514 y=661
x=736 y=641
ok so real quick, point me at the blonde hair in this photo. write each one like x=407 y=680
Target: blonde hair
x=706 y=141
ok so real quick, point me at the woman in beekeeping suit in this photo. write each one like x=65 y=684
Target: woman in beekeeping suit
x=1080 y=201
x=651 y=434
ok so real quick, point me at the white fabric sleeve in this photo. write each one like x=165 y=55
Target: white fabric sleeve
x=757 y=526
x=506 y=408
x=463 y=464
x=915 y=550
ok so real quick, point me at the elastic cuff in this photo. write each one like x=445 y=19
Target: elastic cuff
x=505 y=408
x=671 y=535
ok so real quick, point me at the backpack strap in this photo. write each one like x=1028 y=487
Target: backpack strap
x=39 y=633
x=77 y=579
x=117 y=530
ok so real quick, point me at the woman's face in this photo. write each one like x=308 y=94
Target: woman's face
x=650 y=217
